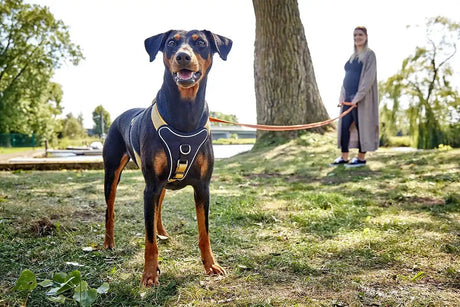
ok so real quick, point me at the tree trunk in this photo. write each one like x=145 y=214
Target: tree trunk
x=285 y=83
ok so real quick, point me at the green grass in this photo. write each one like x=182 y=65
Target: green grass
x=79 y=142
x=289 y=229
x=234 y=141
x=12 y=150
x=60 y=144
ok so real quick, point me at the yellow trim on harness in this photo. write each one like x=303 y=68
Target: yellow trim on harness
x=208 y=126
x=158 y=120
x=138 y=158
x=136 y=155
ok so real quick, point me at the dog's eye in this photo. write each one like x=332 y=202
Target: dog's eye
x=201 y=43
x=172 y=43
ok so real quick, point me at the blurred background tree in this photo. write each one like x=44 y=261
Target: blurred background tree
x=102 y=122
x=33 y=44
x=73 y=127
x=227 y=117
x=420 y=99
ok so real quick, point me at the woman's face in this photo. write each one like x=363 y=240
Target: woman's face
x=360 y=38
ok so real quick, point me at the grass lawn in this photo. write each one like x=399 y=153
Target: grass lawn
x=12 y=150
x=289 y=229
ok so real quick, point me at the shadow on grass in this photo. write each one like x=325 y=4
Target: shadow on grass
x=283 y=223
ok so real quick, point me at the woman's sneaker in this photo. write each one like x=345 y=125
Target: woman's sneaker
x=355 y=162
x=338 y=161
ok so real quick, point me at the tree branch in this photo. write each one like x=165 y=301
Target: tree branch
x=449 y=57
x=26 y=65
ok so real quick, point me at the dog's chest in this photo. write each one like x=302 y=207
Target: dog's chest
x=180 y=149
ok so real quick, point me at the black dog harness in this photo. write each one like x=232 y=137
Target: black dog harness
x=181 y=148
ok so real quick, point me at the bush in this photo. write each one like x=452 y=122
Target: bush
x=82 y=142
x=397 y=141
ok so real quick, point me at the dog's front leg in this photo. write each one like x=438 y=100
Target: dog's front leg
x=161 y=231
x=202 y=211
x=152 y=195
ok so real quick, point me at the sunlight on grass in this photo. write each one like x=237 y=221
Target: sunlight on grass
x=288 y=228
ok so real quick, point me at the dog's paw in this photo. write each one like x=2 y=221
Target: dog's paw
x=162 y=237
x=109 y=244
x=215 y=269
x=148 y=282
x=162 y=233
x=150 y=279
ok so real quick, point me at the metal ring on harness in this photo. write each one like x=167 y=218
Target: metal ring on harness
x=185 y=149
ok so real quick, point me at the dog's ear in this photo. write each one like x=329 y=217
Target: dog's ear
x=155 y=43
x=219 y=44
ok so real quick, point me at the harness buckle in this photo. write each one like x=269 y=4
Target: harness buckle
x=180 y=170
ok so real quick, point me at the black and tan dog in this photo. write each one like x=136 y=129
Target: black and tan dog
x=169 y=141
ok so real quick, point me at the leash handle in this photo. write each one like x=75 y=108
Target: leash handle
x=290 y=127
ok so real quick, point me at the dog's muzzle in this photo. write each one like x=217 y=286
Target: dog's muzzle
x=186 y=78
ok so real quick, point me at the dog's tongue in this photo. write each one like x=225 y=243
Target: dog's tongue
x=185 y=74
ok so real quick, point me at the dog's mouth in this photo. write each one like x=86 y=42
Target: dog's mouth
x=186 y=78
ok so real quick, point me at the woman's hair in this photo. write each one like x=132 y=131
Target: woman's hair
x=356 y=54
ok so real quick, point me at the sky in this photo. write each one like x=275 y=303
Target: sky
x=117 y=73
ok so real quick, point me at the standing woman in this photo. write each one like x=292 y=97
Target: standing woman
x=360 y=128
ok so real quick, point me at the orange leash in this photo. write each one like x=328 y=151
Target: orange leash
x=287 y=128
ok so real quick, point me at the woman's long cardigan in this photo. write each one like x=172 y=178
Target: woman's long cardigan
x=367 y=99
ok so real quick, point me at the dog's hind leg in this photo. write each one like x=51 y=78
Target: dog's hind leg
x=202 y=211
x=115 y=160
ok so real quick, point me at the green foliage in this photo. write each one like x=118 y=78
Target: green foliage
x=32 y=45
x=101 y=121
x=73 y=127
x=399 y=141
x=227 y=117
x=420 y=100
x=26 y=282
x=78 y=142
x=60 y=285
x=85 y=295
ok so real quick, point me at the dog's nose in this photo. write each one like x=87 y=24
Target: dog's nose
x=183 y=58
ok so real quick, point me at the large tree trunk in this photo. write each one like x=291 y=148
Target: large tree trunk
x=285 y=83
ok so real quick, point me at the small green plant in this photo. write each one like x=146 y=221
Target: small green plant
x=60 y=286
x=418 y=276
x=26 y=282
x=444 y=147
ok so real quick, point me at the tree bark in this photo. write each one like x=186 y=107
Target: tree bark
x=285 y=83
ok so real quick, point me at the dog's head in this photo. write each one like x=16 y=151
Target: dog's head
x=188 y=55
